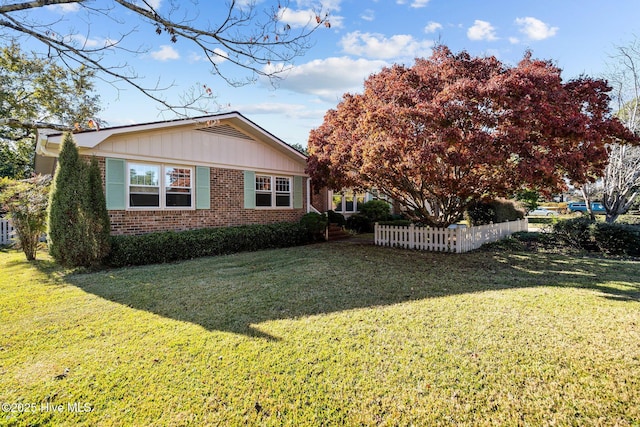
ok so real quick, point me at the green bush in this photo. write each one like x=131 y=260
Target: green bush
x=480 y=213
x=359 y=223
x=376 y=210
x=612 y=239
x=315 y=224
x=542 y=220
x=336 y=218
x=397 y=222
x=575 y=232
x=26 y=204
x=526 y=236
x=494 y=211
x=617 y=239
x=154 y=248
x=507 y=210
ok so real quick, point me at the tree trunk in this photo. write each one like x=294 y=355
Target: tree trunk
x=587 y=200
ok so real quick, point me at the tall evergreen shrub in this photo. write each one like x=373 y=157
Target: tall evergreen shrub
x=66 y=227
x=97 y=216
x=78 y=225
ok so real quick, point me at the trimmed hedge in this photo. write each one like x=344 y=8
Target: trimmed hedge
x=494 y=211
x=376 y=210
x=617 y=239
x=336 y=218
x=575 y=232
x=359 y=223
x=613 y=239
x=315 y=224
x=155 y=248
x=397 y=222
x=371 y=212
x=542 y=220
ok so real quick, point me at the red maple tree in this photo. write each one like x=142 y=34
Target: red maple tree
x=453 y=129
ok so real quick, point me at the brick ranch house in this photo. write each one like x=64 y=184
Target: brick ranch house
x=213 y=171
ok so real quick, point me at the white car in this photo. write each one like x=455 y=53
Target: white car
x=542 y=212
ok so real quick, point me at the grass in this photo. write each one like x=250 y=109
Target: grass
x=331 y=334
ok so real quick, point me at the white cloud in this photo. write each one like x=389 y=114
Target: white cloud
x=326 y=5
x=432 y=27
x=64 y=8
x=514 y=40
x=378 y=46
x=419 y=3
x=166 y=53
x=535 y=29
x=482 y=30
x=293 y=111
x=219 y=57
x=368 y=15
x=303 y=17
x=415 y=3
x=296 y=18
x=330 y=78
x=84 y=42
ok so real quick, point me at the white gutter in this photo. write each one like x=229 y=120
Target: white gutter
x=41 y=148
x=308 y=195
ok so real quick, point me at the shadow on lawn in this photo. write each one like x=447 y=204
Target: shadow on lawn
x=236 y=293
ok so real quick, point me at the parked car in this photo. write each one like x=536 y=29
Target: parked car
x=582 y=207
x=542 y=212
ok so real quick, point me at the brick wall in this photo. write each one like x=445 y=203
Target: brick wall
x=227 y=200
x=320 y=199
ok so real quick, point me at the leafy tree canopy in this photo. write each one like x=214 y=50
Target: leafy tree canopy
x=453 y=129
x=35 y=92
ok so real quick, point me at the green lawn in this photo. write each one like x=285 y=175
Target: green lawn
x=331 y=334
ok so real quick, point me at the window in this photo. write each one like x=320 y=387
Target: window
x=144 y=186
x=263 y=190
x=348 y=201
x=177 y=187
x=283 y=191
x=146 y=190
x=268 y=195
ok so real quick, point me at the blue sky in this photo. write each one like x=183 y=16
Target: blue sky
x=365 y=35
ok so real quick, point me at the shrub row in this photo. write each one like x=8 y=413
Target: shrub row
x=613 y=239
x=541 y=220
x=494 y=211
x=172 y=246
x=315 y=225
x=371 y=212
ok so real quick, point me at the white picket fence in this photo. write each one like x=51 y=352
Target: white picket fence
x=457 y=240
x=6 y=232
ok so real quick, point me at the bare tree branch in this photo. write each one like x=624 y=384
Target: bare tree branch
x=621 y=180
x=246 y=43
x=32 y=5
